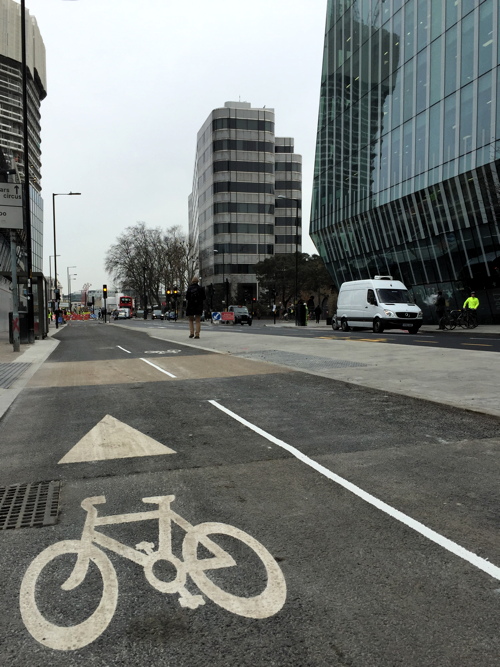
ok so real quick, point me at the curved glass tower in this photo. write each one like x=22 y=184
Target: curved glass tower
x=406 y=177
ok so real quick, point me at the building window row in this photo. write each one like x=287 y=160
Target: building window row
x=242 y=124
x=287 y=185
x=288 y=238
x=245 y=248
x=287 y=203
x=236 y=186
x=287 y=222
x=288 y=166
x=283 y=149
x=240 y=165
x=242 y=207
x=243 y=145
x=227 y=269
x=242 y=228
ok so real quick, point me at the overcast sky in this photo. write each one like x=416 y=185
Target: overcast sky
x=129 y=84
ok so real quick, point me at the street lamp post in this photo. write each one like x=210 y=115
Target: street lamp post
x=50 y=277
x=297 y=202
x=144 y=269
x=224 y=282
x=69 y=284
x=55 y=255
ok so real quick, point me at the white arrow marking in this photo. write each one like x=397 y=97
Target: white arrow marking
x=112 y=439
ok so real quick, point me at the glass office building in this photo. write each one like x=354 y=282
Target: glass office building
x=407 y=173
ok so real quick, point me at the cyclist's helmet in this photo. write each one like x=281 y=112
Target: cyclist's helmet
x=473 y=294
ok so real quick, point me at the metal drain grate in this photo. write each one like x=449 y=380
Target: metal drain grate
x=302 y=361
x=29 y=505
x=10 y=372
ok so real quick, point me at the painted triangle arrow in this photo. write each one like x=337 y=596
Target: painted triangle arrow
x=112 y=439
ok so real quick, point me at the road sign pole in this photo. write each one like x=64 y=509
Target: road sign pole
x=27 y=207
x=16 y=339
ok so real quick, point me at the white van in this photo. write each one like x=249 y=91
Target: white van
x=381 y=303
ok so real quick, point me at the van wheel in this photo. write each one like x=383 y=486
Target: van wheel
x=378 y=327
x=413 y=330
x=345 y=326
x=335 y=324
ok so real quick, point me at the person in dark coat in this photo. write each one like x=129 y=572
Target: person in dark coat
x=317 y=311
x=195 y=297
x=440 y=305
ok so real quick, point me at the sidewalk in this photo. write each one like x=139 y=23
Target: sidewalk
x=16 y=368
x=463 y=378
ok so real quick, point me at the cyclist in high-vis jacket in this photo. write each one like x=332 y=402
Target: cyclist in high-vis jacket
x=471 y=304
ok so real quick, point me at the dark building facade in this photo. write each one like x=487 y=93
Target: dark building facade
x=407 y=166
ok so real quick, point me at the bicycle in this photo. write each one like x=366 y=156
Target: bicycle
x=263 y=605
x=461 y=318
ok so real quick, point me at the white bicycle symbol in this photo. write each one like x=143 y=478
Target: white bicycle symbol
x=66 y=638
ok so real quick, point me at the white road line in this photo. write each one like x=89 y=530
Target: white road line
x=490 y=339
x=122 y=348
x=158 y=368
x=430 y=534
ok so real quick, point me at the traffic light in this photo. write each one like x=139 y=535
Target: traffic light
x=254 y=299
x=169 y=292
x=104 y=291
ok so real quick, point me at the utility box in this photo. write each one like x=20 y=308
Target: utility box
x=23 y=328
x=301 y=315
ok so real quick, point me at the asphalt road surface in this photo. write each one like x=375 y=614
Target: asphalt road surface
x=290 y=519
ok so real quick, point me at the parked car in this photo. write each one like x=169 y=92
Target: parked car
x=139 y=314
x=121 y=314
x=157 y=315
x=171 y=315
x=241 y=315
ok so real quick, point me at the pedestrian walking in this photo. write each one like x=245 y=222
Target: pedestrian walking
x=195 y=296
x=317 y=311
x=440 y=305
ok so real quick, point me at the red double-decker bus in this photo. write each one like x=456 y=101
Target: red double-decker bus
x=126 y=302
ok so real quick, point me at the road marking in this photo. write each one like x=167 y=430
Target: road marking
x=158 y=368
x=112 y=439
x=477 y=344
x=427 y=341
x=430 y=534
x=69 y=638
x=122 y=348
x=473 y=338
x=161 y=351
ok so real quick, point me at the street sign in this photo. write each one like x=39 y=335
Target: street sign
x=11 y=206
x=216 y=317
x=227 y=317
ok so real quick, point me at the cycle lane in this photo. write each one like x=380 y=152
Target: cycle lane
x=345 y=597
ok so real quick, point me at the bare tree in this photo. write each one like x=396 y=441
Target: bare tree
x=150 y=261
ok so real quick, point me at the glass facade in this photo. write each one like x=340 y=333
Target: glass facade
x=406 y=178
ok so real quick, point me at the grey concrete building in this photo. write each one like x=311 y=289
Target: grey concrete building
x=245 y=204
